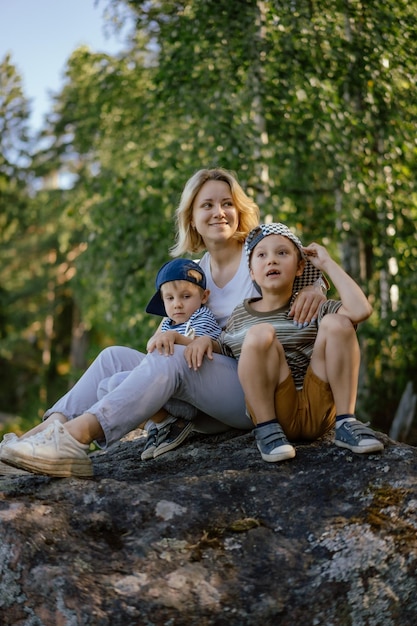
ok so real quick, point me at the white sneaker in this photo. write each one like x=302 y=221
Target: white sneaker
x=8 y=438
x=9 y=470
x=53 y=452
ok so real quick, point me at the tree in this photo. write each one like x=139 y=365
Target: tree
x=311 y=103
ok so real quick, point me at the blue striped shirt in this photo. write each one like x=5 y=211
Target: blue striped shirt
x=202 y=322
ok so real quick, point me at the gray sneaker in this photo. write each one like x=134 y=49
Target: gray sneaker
x=357 y=437
x=53 y=452
x=273 y=444
x=172 y=435
x=150 y=445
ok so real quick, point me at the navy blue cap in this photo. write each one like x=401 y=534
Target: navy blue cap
x=178 y=269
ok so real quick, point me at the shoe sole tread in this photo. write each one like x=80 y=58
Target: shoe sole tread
x=376 y=447
x=64 y=468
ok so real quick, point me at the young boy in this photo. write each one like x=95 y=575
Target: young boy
x=296 y=381
x=180 y=298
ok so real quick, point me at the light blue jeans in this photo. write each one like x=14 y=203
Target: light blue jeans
x=146 y=384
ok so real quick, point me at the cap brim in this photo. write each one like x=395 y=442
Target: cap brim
x=156 y=305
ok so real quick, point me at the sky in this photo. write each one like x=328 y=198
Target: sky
x=40 y=35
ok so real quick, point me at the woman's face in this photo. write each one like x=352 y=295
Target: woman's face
x=214 y=215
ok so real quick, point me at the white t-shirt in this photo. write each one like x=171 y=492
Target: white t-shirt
x=223 y=300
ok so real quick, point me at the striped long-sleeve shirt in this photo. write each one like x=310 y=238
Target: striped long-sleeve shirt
x=202 y=322
x=298 y=344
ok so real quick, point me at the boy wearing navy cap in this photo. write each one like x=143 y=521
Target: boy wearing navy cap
x=180 y=298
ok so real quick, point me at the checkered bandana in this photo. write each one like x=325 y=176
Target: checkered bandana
x=310 y=273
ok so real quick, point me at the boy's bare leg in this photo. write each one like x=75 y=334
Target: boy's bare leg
x=336 y=359
x=262 y=366
x=160 y=416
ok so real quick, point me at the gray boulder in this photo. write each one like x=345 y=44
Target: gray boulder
x=212 y=535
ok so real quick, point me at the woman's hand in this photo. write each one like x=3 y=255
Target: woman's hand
x=306 y=305
x=196 y=350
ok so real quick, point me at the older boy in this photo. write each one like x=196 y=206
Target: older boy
x=296 y=382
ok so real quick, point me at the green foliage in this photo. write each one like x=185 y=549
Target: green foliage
x=312 y=104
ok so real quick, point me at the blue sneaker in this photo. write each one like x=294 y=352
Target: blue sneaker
x=357 y=437
x=273 y=444
x=150 y=445
x=172 y=435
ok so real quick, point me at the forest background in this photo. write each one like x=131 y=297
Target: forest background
x=312 y=103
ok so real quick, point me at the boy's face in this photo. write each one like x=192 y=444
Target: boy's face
x=181 y=298
x=275 y=262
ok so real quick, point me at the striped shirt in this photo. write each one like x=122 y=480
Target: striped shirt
x=202 y=322
x=298 y=344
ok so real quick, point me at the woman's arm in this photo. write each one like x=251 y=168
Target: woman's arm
x=307 y=303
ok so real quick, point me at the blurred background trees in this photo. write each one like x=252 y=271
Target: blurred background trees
x=312 y=104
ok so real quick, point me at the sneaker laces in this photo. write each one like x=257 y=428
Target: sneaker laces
x=163 y=431
x=151 y=437
x=44 y=435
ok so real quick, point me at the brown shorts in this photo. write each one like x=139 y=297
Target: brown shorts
x=305 y=414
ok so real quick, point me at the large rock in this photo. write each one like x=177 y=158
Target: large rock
x=211 y=534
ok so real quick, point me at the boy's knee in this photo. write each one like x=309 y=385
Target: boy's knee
x=338 y=324
x=260 y=336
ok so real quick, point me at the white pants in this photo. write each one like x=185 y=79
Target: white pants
x=122 y=403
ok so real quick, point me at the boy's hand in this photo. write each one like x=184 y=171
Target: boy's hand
x=195 y=351
x=317 y=255
x=163 y=342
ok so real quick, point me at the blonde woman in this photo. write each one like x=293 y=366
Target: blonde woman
x=214 y=215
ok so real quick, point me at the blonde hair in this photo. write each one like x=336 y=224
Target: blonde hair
x=188 y=239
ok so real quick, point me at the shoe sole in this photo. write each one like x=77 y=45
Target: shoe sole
x=278 y=456
x=148 y=453
x=64 y=468
x=376 y=447
x=10 y=470
x=173 y=444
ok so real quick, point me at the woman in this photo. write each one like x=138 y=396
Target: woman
x=215 y=215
